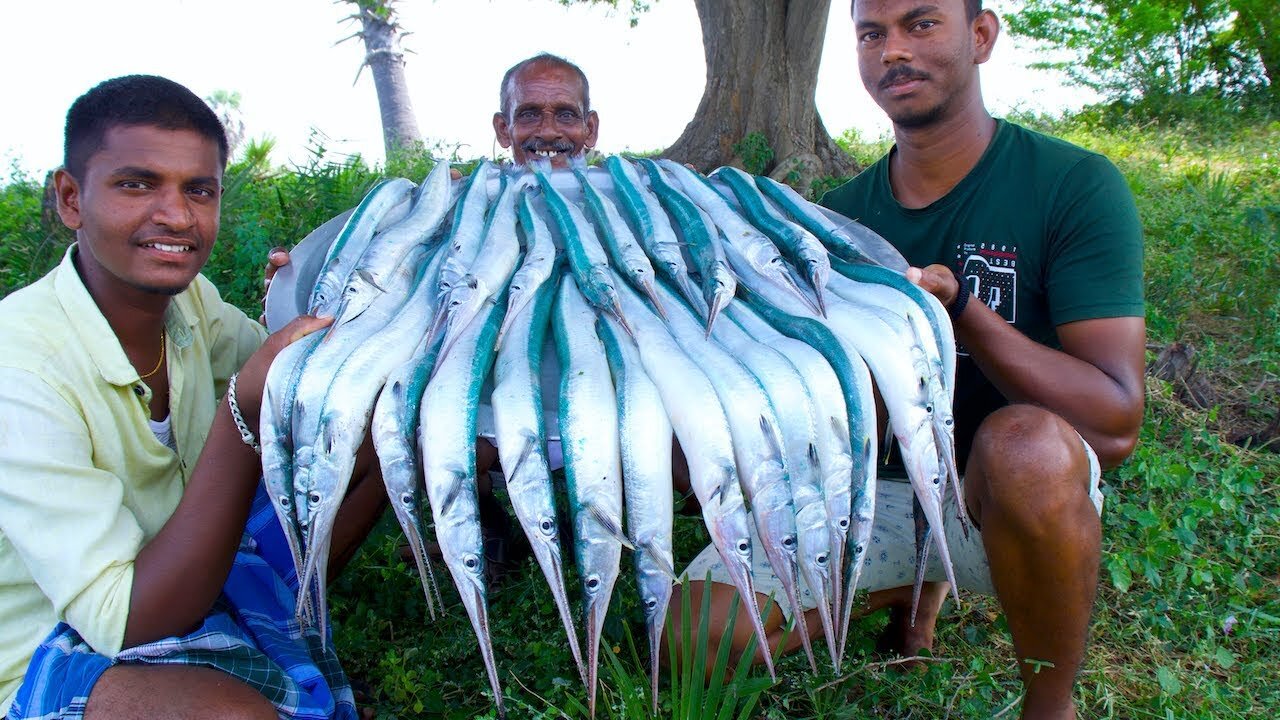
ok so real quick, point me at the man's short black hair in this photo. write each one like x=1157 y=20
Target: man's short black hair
x=504 y=97
x=134 y=100
x=971 y=8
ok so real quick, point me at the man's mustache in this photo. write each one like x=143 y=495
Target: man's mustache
x=536 y=145
x=901 y=73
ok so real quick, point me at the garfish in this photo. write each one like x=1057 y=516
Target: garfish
x=467 y=230
x=858 y=434
x=701 y=238
x=592 y=461
x=587 y=259
x=851 y=241
x=757 y=444
x=801 y=246
x=447 y=441
x=534 y=270
x=429 y=205
x=651 y=226
x=344 y=420
x=903 y=388
x=521 y=439
x=797 y=425
x=384 y=204
x=752 y=245
x=490 y=271
x=618 y=239
x=698 y=419
x=645 y=435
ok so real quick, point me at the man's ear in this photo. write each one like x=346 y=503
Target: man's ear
x=593 y=129
x=501 y=130
x=986 y=28
x=67 y=191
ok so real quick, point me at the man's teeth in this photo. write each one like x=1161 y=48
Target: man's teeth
x=547 y=153
x=169 y=248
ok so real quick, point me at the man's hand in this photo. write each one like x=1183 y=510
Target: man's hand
x=253 y=375
x=277 y=257
x=937 y=280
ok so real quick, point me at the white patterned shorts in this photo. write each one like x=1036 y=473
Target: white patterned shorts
x=891 y=562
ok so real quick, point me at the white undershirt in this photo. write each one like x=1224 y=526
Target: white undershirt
x=163 y=430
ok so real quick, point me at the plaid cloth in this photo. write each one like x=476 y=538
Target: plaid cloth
x=251 y=634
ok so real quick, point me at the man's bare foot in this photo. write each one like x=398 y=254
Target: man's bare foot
x=902 y=638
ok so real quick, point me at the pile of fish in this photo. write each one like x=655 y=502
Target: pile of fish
x=725 y=311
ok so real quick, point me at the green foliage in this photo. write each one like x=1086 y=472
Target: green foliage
x=636 y=7
x=1153 y=49
x=754 y=151
x=31 y=240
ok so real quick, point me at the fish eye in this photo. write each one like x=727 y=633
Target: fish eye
x=593 y=583
x=929 y=408
x=286 y=501
x=857 y=549
x=314 y=498
x=822 y=558
x=471 y=562
x=788 y=541
x=935 y=479
x=844 y=523
x=651 y=603
x=547 y=526
x=744 y=546
x=406 y=499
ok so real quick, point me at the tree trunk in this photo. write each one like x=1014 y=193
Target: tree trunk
x=381 y=35
x=762 y=70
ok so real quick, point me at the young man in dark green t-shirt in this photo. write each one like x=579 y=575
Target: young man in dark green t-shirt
x=1035 y=247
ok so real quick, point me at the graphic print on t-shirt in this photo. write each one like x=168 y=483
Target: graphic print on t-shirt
x=992 y=274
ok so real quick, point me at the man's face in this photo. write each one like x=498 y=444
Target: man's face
x=548 y=117
x=918 y=58
x=146 y=211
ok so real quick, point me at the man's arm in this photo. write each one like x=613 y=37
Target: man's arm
x=179 y=573
x=1095 y=382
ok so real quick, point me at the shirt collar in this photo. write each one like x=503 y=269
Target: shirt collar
x=95 y=333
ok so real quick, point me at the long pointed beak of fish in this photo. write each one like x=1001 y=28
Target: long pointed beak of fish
x=652 y=293
x=818 y=291
x=513 y=310
x=791 y=285
x=690 y=292
x=595 y=625
x=718 y=303
x=616 y=311
x=741 y=575
x=478 y=610
x=548 y=554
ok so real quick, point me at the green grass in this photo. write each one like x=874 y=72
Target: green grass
x=1187 y=623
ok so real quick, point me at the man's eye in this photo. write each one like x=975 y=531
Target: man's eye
x=567 y=116
x=870 y=37
x=925 y=24
x=203 y=192
x=133 y=185
x=528 y=116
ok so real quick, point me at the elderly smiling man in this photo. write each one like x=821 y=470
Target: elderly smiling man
x=546 y=111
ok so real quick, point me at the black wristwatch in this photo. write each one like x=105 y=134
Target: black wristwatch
x=962 y=297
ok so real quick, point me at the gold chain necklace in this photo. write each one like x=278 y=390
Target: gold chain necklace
x=160 y=362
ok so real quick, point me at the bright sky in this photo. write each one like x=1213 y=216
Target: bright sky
x=280 y=55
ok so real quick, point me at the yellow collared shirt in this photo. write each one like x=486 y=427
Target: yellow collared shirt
x=84 y=483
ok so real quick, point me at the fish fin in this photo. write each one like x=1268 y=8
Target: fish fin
x=813 y=455
x=368 y=277
x=661 y=560
x=530 y=441
x=611 y=526
x=771 y=435
x=454 y=489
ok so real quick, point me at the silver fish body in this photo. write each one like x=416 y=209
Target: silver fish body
x=384 y=204
x=645 y=434
x=592 y=461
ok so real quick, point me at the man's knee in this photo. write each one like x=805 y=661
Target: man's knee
x=125 y=692
x=1029 y=463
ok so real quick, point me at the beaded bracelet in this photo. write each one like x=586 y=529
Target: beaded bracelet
x=245 y=433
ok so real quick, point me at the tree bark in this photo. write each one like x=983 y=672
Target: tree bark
x=762 y=69
x=381 y=36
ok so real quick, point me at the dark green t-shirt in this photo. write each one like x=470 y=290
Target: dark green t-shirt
x=1044 y=232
